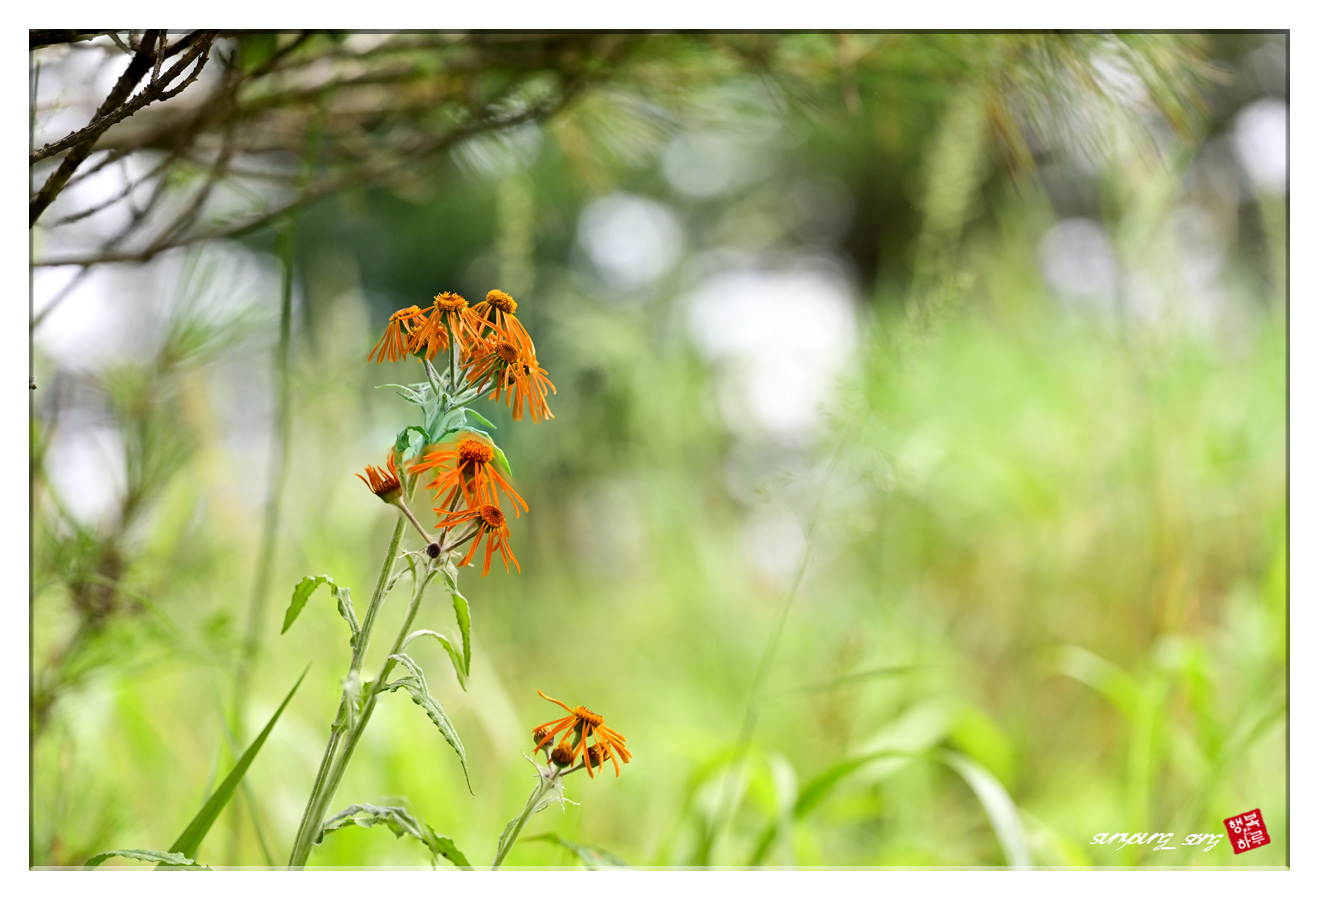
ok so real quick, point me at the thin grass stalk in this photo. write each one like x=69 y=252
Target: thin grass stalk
x=270 y=525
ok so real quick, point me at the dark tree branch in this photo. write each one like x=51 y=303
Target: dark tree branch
x=46 y=37
x=137 y=68
x=155 y=90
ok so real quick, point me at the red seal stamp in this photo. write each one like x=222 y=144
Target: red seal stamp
x=1247 y=831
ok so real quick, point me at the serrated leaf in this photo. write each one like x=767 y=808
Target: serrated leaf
x=591 y=857
x=191 y=838
x=480 y=418
x=156 y=856
x=402 y=823
x=407 y=393
x=455 y=656
x=345 y=604
x=409 y=442
x=303 y=591
x=416 y=687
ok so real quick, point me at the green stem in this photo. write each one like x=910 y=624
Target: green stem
x=510 y=836
x=453 y=366
x=332 y=773
x=270 y=526
x=316 y=803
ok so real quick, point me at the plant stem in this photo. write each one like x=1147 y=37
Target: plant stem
x=279 y=450
x=311 y=820
x=332 y=773
x=543 y=787
x=453 y=366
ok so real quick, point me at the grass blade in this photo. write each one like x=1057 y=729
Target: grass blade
x=998 y=805
x=191 y=838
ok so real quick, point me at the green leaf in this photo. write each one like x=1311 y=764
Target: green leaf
x=411 y=394
x=998 y=805
x=303 y=591
x=257 y=48
x=501 y=458
x=416 y=687
x=484 y=434
x=591 y=857
x=446 y=436
x=345 y=605
x=455 y=656
x=1116 y=685
x=409 y=442
x=464 y=617
x=191 y=838
x=480 y=418
x=823 y=784
x=402 y=823
x=156 y=856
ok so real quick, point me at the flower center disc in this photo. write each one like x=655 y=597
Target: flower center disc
x=589 y=717
x=471 y=451
x=448 y=302
x=503 y=302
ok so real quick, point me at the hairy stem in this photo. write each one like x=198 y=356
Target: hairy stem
x=316 y=803
x=326 y=786
x=535 y=802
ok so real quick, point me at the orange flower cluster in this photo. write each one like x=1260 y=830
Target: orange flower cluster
x=496 y=350
x=581 y=725
x=467 y=471
x=497 y=354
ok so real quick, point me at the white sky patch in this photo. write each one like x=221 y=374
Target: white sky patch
x=1079 y=264
x=705 y=164
x=1260 y=141
x=782 y=339
x=773 y=543
x=631 y=240
x=86 y=467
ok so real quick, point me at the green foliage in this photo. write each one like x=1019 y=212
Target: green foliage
x=998 y=806
x=591 y=857
x=191 y=838
x=402 y=823
x=415 y=684
x=410 y=442
x=165 y=859
x=461 y=659
x=303 y=591
x=1045 y=589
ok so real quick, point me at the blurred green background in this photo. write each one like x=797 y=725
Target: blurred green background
x=915 y=496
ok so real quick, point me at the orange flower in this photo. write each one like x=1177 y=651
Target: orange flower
x=473 y=475
x=501 y=364
x=394 y=345
x=498 y=310
x=384 y=484
x=449 y=314
x=491 y=526
x=583 y=724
